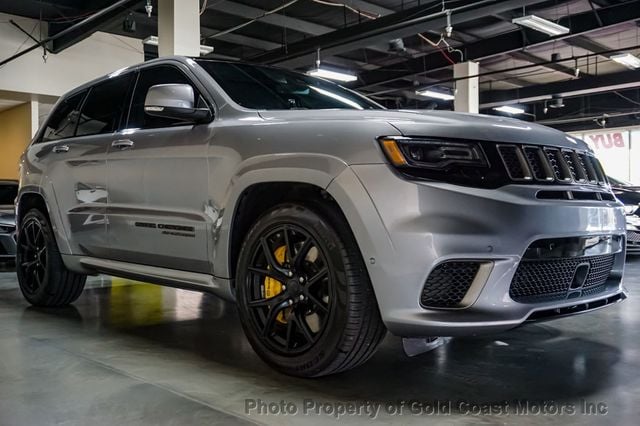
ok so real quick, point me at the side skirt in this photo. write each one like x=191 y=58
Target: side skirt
x=163 y=276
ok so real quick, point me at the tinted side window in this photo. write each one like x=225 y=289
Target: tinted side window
x=148 y=77
x=63 y=120
x=104 y=106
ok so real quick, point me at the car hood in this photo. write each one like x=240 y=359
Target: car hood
x=443 y=124
x=626 y=195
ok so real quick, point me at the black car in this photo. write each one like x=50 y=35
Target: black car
x=629 y=194
x=8 y=193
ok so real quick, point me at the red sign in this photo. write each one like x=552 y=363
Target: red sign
x=607 y=140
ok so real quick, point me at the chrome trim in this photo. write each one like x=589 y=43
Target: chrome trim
x=482 y=276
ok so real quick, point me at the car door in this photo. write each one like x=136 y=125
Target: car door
x=158 y=184
x=73 y=150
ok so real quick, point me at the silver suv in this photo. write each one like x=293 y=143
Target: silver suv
x=327 y=218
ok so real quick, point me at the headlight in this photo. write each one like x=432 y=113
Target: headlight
x=630 y=209
x=459 y=162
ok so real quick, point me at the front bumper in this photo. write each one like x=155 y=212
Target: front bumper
x=404 y=229
x=633 y=234
x=7 y=246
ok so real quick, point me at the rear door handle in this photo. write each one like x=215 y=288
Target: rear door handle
x=60 y=148
x=123 y=144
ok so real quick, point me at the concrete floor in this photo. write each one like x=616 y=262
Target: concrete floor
x=132 y=353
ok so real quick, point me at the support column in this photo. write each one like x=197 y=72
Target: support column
x=467 y=91
x=35 y=116
x=179 y=27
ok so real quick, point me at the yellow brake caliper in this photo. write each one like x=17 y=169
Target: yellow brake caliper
x=273 y=287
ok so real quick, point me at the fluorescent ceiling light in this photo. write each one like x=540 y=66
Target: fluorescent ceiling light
x=540 y=24
x=433 y=94
x=510 y=109
x=332 y=75
x=627 y=59
x=153 y=41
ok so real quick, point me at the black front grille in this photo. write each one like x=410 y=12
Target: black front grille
x=538 y=164
x=448 y=283
x=551 y=164
x=586 y=164
x=514 y=161
x=555 y=279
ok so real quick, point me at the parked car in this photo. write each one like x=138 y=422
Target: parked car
x=8 y=194
x=327 y=218
x=629 y=194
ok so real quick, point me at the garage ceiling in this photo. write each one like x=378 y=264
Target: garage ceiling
x=517 y=66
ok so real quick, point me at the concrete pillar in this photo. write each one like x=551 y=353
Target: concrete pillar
x=179 y=27
x=467 y=92
x=35 y=116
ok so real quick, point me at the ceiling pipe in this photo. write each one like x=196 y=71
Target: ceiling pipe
x=537 y=64
x=397 y=25
x=89 y=20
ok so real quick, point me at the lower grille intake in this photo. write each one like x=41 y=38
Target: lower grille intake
x=538 y=281
x=633 y=236
x=448 y=283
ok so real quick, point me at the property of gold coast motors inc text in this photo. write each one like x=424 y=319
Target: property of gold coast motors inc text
x=375 y=409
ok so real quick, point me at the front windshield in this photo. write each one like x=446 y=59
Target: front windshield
x=266 y=88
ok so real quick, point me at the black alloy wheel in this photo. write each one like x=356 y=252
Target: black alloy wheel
x=42 y=275
x=304 y=295
x=291 y=321
x=33 y=255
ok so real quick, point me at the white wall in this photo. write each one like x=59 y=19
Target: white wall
x=93 y=57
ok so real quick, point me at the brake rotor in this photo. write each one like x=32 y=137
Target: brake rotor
x=273 y=287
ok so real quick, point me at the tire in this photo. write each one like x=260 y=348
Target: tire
x=325 y=319
x=43 y=278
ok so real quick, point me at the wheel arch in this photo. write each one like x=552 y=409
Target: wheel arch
x=272 y=175
x=28 y=199
x=32 y=196
x=260 y=197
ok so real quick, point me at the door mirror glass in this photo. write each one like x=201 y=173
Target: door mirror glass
x=175 y=101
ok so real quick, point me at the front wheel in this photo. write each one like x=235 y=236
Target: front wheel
x=304 y=295
x=44 y=280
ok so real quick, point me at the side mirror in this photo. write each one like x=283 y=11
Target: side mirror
x=175 y=101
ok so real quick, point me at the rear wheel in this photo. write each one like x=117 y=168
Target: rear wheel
x=304 y=295
x=43 y=278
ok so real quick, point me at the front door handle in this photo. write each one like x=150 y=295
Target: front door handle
x=60 y=148
x=123 y=144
